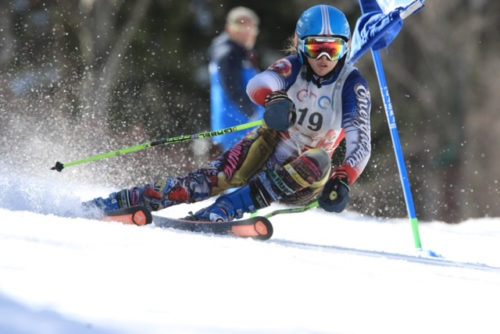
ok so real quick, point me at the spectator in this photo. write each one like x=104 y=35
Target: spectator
x=233 y=62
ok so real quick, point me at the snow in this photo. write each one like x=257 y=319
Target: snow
x=320 y=273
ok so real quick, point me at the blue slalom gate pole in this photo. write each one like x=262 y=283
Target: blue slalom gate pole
x=380 y=23
x=391 y=119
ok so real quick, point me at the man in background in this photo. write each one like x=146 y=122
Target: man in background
x=233 y=63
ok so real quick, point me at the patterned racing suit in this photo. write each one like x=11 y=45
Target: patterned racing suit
x=291 y=166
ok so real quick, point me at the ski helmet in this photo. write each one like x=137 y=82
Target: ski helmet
x=323 y=20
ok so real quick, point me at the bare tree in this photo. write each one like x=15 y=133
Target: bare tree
x=103 y=45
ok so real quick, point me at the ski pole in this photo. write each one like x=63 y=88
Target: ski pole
x=292 y=210
x=59 y=166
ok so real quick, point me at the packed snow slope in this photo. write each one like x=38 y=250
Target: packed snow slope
x=320 y=273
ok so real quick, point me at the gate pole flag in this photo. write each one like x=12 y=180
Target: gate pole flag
x=380 y=23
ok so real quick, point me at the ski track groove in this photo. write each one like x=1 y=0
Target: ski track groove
x=435 y=261
x=426 y=260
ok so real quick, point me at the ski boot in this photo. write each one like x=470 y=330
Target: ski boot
x=113 y=202
x=227 y=207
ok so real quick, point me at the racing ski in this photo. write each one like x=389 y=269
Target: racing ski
x=136 y=215
x=259 y=228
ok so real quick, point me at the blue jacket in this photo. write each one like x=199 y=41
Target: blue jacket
x=231 y=68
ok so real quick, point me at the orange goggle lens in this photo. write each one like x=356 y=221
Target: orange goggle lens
x=316 y=47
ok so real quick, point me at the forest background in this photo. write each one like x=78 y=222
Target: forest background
x=84 y=77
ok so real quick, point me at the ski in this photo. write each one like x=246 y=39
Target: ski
x=136 y=215
x=259 y=228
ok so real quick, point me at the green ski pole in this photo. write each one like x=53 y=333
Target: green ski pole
x=59 y=166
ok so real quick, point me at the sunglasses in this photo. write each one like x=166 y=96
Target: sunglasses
x=333 y=48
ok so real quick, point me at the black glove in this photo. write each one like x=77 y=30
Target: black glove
x=335 y=195
x=280 y=111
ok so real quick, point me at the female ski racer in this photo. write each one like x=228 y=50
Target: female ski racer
x=313 y=100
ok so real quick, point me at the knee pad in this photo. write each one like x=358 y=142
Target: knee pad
x=304 y=175
x=310 y=170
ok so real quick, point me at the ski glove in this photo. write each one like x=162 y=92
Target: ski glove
x=335 y=195
x=280 y=111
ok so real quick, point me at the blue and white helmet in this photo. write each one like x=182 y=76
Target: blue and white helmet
x=323 y=20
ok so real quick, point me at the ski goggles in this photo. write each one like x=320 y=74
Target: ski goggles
x=333 y=48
